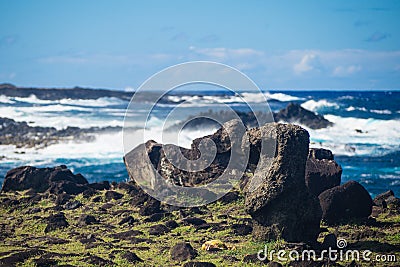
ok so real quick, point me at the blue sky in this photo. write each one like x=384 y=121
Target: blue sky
x=279 y=44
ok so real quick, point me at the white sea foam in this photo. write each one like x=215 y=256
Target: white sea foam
x=100 y=102
x=342 y=136
x=381 y=111
x=283 y=97
x=351 y=108
x=245 y=97
x=6 y=100
x=33 y=100
x=318 y=105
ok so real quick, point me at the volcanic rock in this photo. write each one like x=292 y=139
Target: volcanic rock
x=42 y=179
x=276 y=197
x=322 y=172
x=183 y=251
x=55 y=222
x=345 y=203
x=294 y=113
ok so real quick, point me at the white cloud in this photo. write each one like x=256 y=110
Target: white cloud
x=343 y=71
x=308 y=63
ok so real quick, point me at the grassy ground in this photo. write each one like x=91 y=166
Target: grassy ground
x=22 y=228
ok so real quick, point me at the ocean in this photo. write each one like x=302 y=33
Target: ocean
x=365 y=136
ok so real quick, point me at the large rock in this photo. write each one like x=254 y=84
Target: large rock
x=345 y=203
x=148 y=162
x=279 y=202
x=42 y=179
x=322 y=172
x=294 y=113
x=387 y=200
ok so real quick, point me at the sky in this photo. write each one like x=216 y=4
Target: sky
x=118 y=44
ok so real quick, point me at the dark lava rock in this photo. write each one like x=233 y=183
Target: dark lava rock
x=147 y=160
x=242 y=229
x=345 y=203
x=183 y=251
x=85 y=219
x=129 y=220
x=157 y=217
x=105 y=185
x=97 y=261
x=320 y=154
x=198 y=264
x=322 y=172
x=97 y=199
x=171 y=224
x=230 y=197
x=276 y=197
x=380 y=200
x=387 y=200
x=42 y=262
x=253 y=258
x=55 y=222
x=42 y=179
x=89 y=192
x=113 y=195
x=63 y=198
x=131 y=257
x=20 y=257
x=127 y=235
x=151 y=207
x=159 y=229
x=294 y=113
x=193 y=221
x=73 y=205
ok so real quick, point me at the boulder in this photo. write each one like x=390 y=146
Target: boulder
x=146 y=160
x=113 y=195
x=276 y=196
x=55 y=222
x=322 y=172
x=41 y=179
x=345 y=203
x=183 y=251
x=387 y=200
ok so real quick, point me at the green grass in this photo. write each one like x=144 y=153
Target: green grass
x=27 y=230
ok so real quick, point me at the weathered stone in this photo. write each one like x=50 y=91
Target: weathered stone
x=41 y=179
x=344 y=203
x=322 y=172
x=183 y=251
x=276 y=196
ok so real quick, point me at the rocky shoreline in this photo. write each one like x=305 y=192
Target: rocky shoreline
x=21 y=134
x=52 y=217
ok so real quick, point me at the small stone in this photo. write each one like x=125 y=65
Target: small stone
x=73 y=205
x=158 y=229
x=183 y=251
x=129 y=220
x=113 y=195
x=171 y=224
x=131 y=257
